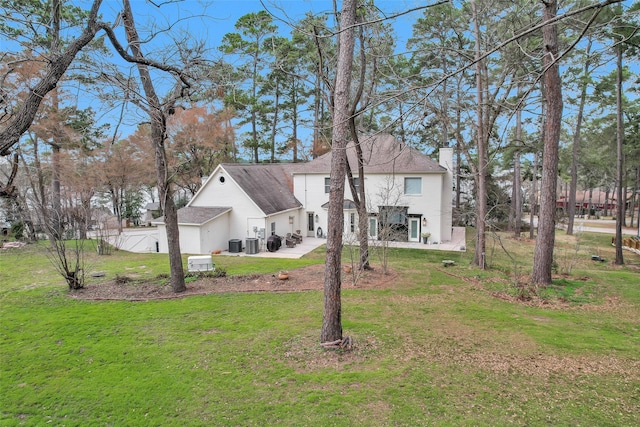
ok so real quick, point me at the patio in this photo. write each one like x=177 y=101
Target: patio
x=457 y=244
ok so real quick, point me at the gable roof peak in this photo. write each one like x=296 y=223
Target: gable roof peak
x=268 y=185
x=382 y=153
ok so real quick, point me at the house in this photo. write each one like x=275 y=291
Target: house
x=151 y=212
x=236 y=202
x=595 y=200
x=407 y=192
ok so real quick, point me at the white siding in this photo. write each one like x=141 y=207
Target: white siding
x=382 y=190
x=244 y=214
x=190 y=239
x=309 y=190
x=163 y=246
x=214 y=235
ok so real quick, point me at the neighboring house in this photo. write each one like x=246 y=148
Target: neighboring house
x=151 y=212
x=595 y=199
x=407 y=193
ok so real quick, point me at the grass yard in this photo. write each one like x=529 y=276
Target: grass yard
x=438 y=346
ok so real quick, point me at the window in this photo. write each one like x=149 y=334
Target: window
x=413 y=186
x=327 y=185
x=356 y=183
x=373 y=227
x=393 y=225
x=352 y=222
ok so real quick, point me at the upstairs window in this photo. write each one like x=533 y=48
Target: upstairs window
x=327 y=185
x=413 y=186
x=356 y=183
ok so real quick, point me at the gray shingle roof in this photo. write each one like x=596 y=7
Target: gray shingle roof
x=199 y=215
x=382 y=153
x=268 y=185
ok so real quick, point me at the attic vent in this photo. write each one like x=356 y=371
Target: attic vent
x=221 y=179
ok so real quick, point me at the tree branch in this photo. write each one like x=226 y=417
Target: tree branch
x=143 y=60
x=56 y=69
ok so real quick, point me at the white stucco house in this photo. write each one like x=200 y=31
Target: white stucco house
x=407 y=192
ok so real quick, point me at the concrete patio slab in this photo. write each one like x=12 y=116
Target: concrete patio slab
x=457 y=244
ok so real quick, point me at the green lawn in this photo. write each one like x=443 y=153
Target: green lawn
x=438 y=347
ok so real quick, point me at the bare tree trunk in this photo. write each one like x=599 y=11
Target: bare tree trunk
x=315 y=150
x=254 y=114
x=85 y=214
x=38 y=186
x=158 y=136
x=359 y=198
x=444 y=136
x=294 y=131
x=517 y=179
x=620 y=213
x=633 y=197
x=481 y=177
x=359 y=193
x=332 y=316
x=458 y=153
x=533 y=197
x=576 y=146
x=54 y=220
x=274 y=123
x=543 y=254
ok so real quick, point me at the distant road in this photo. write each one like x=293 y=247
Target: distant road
x=606 y=226
x=599 y=226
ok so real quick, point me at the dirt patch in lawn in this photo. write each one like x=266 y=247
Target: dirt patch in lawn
x=301 y=279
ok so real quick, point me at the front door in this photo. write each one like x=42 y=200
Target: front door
x=310 y=225
x=414 y=229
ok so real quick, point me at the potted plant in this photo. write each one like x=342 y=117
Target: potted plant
x=425 y=237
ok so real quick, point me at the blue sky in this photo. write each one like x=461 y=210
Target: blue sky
x=211 y=20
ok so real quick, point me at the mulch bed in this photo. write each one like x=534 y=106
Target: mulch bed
x=302 y=279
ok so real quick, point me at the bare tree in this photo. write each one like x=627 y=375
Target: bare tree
x=358 y=191
x=158 y=114
x=58 y=64
x=516 y=198
x=573 y=187
x=332 y=317
x=68 y=258
x=481 y=179
x=390 y=197
x=620 y=212
x=552 y=92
